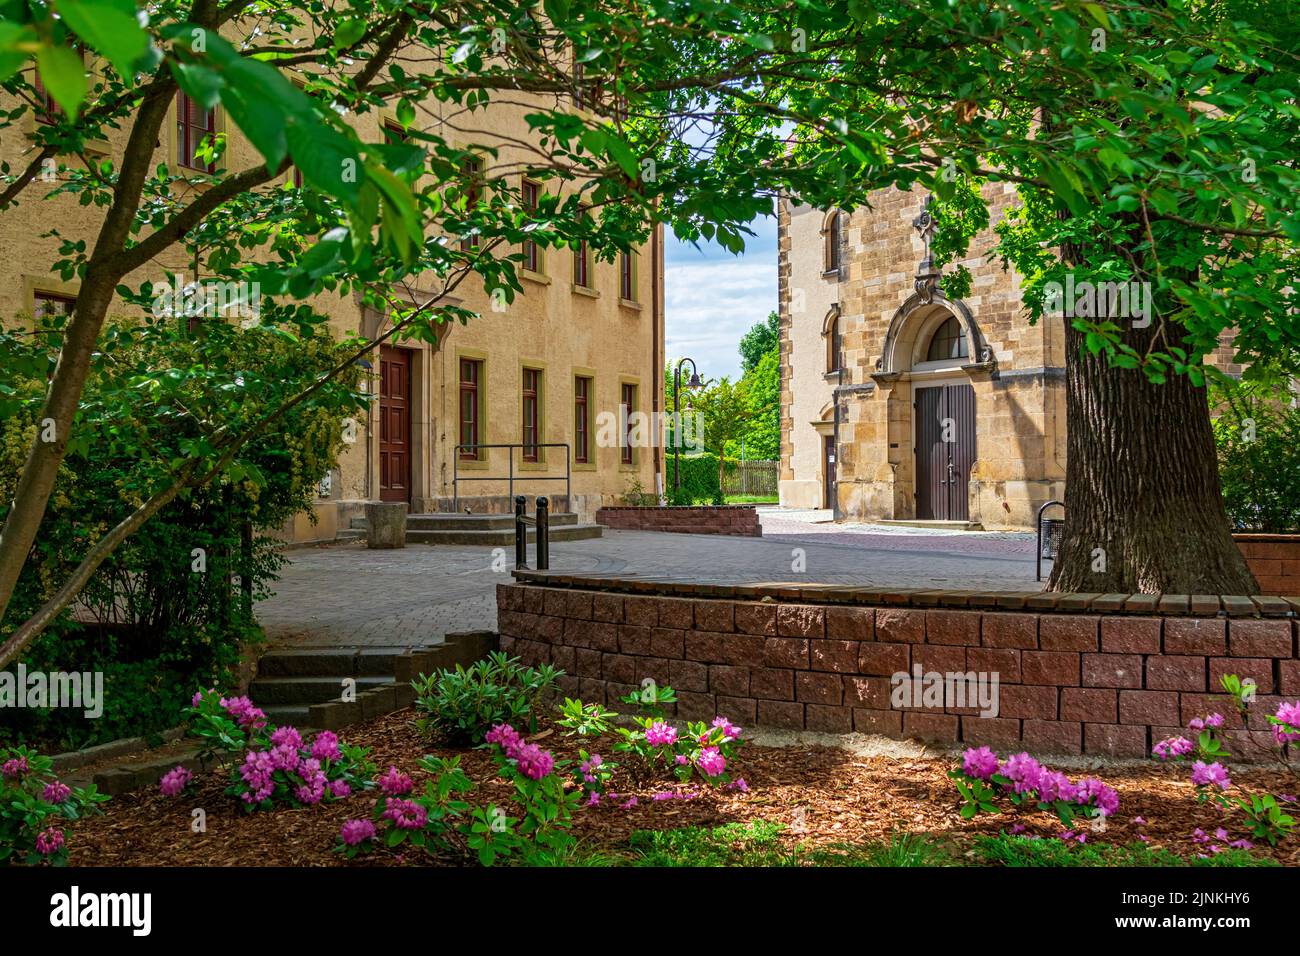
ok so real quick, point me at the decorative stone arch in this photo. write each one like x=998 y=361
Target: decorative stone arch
x=913 y=325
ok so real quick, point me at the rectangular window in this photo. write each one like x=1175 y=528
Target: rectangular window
x=394 y=133
x=47 y=112
x=582 y=420
x=471 y=372
x=194 y=125
x=50 y=304
x=626 y=408
x=472 y=170
x=531 y=399
x=532 y=252
x=626 y=277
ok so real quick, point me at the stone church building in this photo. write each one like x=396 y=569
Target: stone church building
x=897 y=403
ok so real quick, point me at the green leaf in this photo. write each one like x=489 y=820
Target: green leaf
x=348 y=33
x=64 y=75
x=109 y=26
x=326 y=158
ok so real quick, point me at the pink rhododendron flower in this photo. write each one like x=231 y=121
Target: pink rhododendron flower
x=325 y=746
x=1023 y=771
x=49 y=841
x=981 y=763
x=729 y=730
x=711 y=762
x=738 y=784
x=1289 y=714
x=394 y=783
x=1092 y=792
x=174 y=782
x=534 y=762
x=285 y=758
x=286 y=737
x=1242 y=845
x=340 y=789
x=244 y=712
x=661 y=734
x=507 y=738
x=258 y=773
x=1204 y=775
x=593 y=798
x=1172 y=747
x=405 y=814
x=357 y=831
x=56 y=792
x=13 y=769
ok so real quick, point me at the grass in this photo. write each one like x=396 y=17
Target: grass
x=752 y=500
x=758 y=844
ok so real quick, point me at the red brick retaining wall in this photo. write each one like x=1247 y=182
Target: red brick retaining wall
x=1099 y=683
x=1274 y=559
x=705 y=519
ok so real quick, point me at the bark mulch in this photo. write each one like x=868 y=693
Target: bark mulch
x=823 y=795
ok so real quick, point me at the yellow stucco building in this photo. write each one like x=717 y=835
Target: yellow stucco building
x=584 y=340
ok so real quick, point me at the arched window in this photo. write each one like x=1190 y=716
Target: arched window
x=833 y=344
x=948 y=342
x=834 y=235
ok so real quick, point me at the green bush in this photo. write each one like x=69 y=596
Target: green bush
x=152 y=620
x=699 y=480
x=1259 y=464
x=465 y=703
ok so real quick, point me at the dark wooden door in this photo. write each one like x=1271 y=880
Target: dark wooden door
x=394 y=424
x=828 y=456
x=945 y=451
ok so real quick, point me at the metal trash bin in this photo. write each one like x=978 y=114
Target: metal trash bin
x=1050 y=533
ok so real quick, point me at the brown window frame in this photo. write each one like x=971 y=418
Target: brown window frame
x=530 y=413
x=627 y=277
x=834 y=234
x=627 y=405
x=833 y=345
x=190 y=135
x=40 y=296
x=471 y=167
x=469 y=428
x=582 y=419
x=530 y=192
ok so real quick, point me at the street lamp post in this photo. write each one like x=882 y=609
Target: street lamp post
x=677 y=416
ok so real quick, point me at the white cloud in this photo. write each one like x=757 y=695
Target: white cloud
x=712 y=298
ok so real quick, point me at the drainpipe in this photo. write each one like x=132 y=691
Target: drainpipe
x=655 y=319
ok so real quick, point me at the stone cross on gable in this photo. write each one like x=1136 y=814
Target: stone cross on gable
x=927 y=276
x=925 y=224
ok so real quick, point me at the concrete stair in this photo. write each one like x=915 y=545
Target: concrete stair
x=493 y=530
x=304 y=686
x=934 y=525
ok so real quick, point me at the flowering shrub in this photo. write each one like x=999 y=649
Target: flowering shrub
x=32 y=802
x=1263 y=811
x=463 y=703
x=278 y=765
x=427 y=820
x=983 y=779
x=438 y=819
x=703 y=749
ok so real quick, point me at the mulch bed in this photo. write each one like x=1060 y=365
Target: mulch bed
x=824 y=796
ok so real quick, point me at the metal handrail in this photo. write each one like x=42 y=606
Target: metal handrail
x=456 y=478
x=1038 y=550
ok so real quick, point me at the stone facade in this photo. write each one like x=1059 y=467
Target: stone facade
x=555 y=327
x=877 y=283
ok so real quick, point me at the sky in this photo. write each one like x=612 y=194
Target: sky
x=712 y=298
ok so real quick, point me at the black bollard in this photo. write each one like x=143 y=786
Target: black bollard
x=543 y=533
x=521 y=532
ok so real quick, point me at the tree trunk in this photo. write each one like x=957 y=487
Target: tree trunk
x=1143 y=507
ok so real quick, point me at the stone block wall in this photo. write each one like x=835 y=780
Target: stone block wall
x=1110 y=679
x=706 y=519
x=1274 y=559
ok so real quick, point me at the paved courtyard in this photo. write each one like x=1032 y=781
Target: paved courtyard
x=350 y=595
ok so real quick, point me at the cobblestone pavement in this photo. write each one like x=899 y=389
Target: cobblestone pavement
x=350 y=595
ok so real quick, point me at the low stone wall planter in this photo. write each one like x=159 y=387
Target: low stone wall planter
x=1077 y=673
x=703 y=519
x=1274 y=559
x=386 y=524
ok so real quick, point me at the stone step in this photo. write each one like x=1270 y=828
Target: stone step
x=502 y=538
x=934 y=525
x=272 y=691
x=462 y=522
x=329 y=662
x=292 y=715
